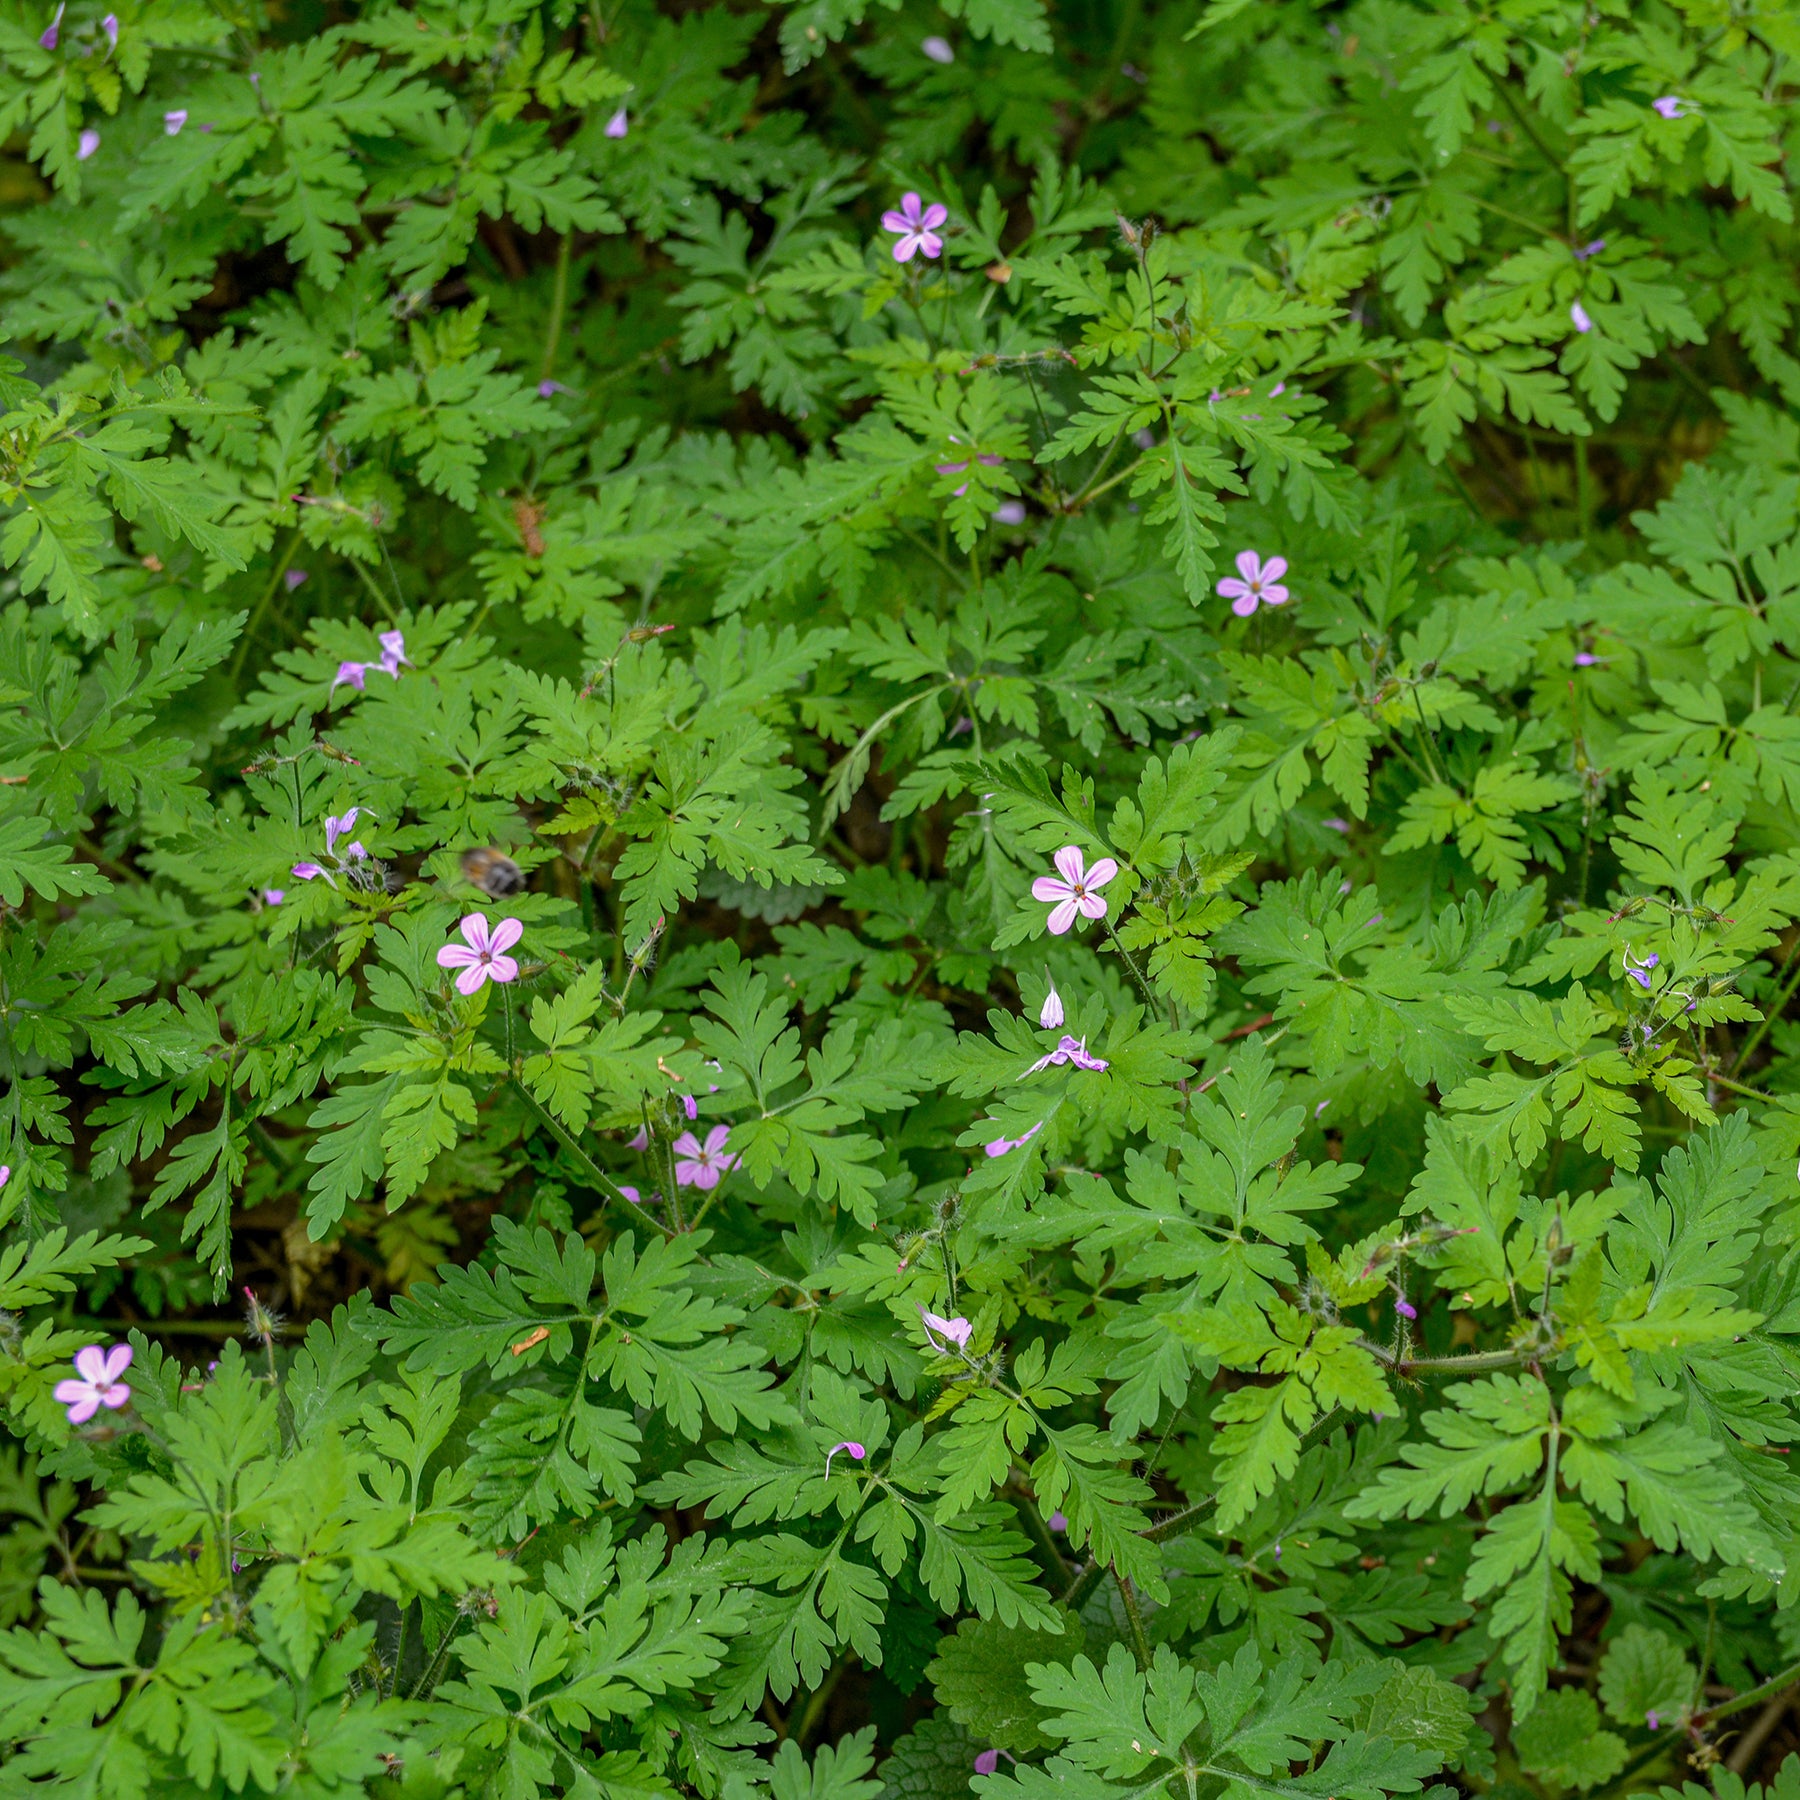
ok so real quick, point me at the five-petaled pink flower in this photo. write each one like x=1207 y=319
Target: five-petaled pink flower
x=700 y=1165
x=484 y=957
x=955 y=1331
x=918 y=227
x=98 y=1384
x=1260 y=586
x=850 y=1447
x=1075 y=893
x=1070 y=1050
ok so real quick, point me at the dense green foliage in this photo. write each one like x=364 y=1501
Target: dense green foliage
x=1323 y=1323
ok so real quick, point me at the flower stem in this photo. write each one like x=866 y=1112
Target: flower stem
x=597 y=1177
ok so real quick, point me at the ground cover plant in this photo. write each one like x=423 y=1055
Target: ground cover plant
x=899 y=900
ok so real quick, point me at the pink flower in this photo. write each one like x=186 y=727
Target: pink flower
x=5 y=1174
x=938 y=49
x=630 y=1194
x=1001 y=1145
x=1050 y=1015
x=87 y=144
x=1584 y=251
x=1070 y=1050
x=1074 y=894
x=1058 y=1521
x=110 y=25
x=54 y=31
x=641 y=1141
x=1670 y=106
x=393 y=652
x=484 y=959
x=1405 y=1308
x=1261 y=584
x=309 y=872
x=273 y=896
x=173 y=121
x=352 y=672
x=1578 y=315
x=918 y=227
x=293 y=579
x=691 y=1107
x=547 y=387
x=335 y=829
x=956 y=1331
x=700 y=1165
x=987 y=1761
x=99 y=1384
x=1010 y=512
x=618 y=124
x=1586 y=659
x=850 y=1447
x=1640 y=971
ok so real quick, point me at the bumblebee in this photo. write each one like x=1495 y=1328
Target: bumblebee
x=495 y=874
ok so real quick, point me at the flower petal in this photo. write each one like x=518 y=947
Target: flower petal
x=505 y=934
x=1048 y=888
x=118 y=1360
x=687 y=1145
x=457 y=956
x=474 y=928
x=90 y=1363
x=470 y=980
x=895 y=221
x=502 y=968
x=1249 y=564
x=1102 y=872
x=1063 y=916
x=717 y=1138
x=1071 y=864
x=1273 y=570
x=1230 y=588
x=936 y=214
x=1244 y=605
x=1275 y=596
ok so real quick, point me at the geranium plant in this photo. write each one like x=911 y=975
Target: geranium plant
x=900 y=900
